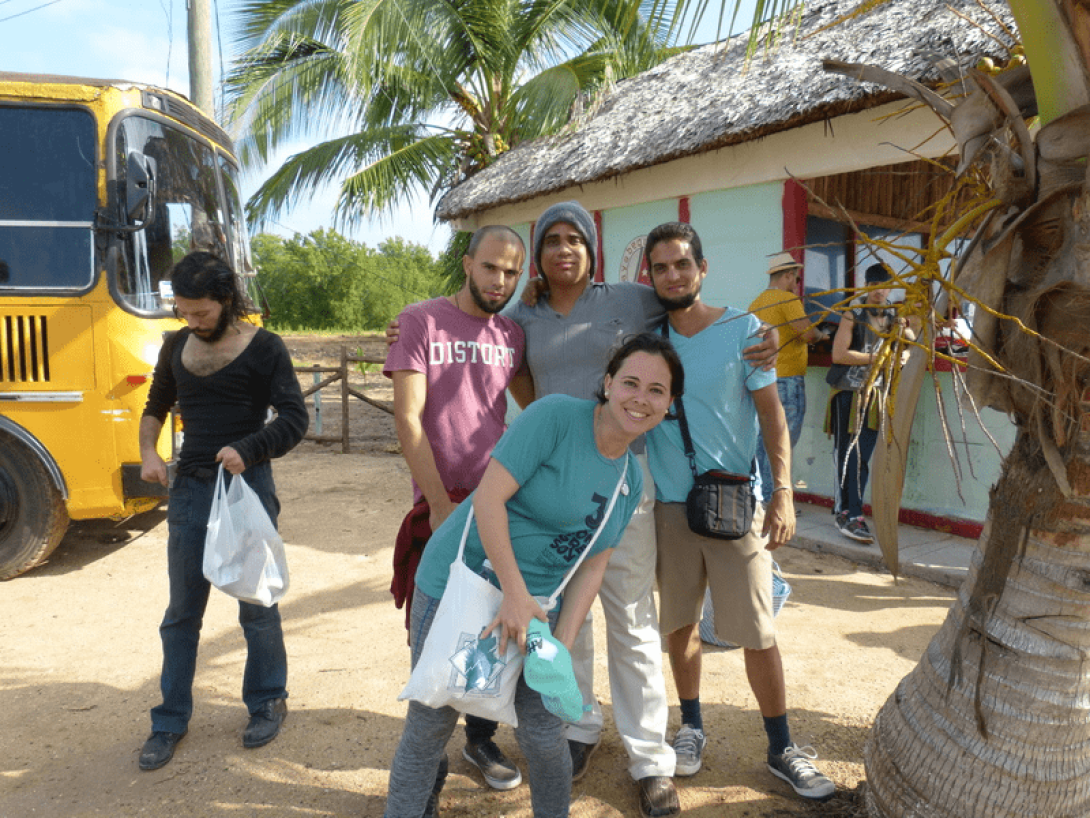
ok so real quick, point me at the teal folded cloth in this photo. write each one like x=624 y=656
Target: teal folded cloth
x=548 y=670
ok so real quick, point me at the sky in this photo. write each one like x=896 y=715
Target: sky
x=145 y=41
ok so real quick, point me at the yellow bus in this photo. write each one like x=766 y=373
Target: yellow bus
x=103 y=185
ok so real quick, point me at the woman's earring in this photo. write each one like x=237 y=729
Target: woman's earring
x=607 y=394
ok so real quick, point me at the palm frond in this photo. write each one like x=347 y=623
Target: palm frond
x=390 y=179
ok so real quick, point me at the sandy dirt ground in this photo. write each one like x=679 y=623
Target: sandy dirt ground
x=79 y=664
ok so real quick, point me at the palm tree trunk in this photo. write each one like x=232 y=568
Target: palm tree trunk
x=995 y=720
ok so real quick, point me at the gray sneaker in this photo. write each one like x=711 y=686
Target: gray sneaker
x=795 y=766
x=689 y=746
x=500 y=773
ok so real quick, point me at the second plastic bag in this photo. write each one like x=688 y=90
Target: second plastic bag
x=243 y=552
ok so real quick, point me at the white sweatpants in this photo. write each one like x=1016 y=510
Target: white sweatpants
x=633 y=647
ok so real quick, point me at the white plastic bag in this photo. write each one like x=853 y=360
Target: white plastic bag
x=458 y=669
x=243 y=552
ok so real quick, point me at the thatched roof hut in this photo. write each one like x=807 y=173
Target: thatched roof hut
x=710 y=98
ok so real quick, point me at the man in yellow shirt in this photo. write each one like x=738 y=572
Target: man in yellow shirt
x=780 y=306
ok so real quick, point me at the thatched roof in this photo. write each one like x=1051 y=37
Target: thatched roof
x=706 y=98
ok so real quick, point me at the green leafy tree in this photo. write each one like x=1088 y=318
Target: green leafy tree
x=324 y=281
x=414 y=96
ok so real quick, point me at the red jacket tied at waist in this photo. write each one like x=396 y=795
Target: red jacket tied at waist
x=413 y=535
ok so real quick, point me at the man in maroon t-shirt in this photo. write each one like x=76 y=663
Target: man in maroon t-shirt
x=451 y=367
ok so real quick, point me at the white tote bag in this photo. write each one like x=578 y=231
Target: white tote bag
x=459 y=669
x=243 y=552
x=456 y=667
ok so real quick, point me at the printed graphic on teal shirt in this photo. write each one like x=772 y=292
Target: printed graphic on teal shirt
x=569 y=546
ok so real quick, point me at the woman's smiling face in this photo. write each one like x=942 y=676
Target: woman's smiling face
x=639 y=394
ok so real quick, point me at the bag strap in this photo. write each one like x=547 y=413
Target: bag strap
x=683 y=424
x=605 y=519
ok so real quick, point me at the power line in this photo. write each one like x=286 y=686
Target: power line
x=219 y=45
x=169 y=12
x=21 y=13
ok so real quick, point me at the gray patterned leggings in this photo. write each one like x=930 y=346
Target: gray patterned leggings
x=427 y=729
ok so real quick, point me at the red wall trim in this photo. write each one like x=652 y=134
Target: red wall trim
x=533 y=266
x=600 y=256
x=794 y=223
x=683 y=210
x=957 y=526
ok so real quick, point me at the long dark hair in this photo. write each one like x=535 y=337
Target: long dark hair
x=653 y=344
x=205 y=275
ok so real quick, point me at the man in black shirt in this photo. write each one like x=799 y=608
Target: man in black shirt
x=224 y=373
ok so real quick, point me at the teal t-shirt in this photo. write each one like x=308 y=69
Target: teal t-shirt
x=564 y=488
x=721 y=414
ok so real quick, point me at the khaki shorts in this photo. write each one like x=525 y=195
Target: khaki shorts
x=739 y=573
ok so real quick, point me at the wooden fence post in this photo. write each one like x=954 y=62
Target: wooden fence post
x=346 y=444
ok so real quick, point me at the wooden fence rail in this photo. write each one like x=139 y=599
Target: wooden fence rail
x=338 y=373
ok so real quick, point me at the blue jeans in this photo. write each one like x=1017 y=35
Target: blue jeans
x=540 y=736
x=852 y=460
x=266 y=671
x=792 y=391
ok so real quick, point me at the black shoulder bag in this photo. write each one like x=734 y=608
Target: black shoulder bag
x=721 y=503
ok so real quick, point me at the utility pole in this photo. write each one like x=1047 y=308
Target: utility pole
x=200 y=56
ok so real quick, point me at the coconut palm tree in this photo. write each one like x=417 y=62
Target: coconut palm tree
x=994 y=722
x=416 y=95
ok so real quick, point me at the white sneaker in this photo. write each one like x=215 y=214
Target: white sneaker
x=689 y=747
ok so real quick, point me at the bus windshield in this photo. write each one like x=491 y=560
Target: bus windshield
x=192 y=210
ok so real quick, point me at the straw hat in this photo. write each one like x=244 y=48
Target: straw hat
x=782 y=261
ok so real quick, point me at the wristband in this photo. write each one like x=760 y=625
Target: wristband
x=781 y=488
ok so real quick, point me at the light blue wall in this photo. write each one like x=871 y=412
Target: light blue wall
x=930 y=482
x=739 y=229
x=524 y=231
x=623 y=224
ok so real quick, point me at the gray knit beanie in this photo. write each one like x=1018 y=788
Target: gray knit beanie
x=574 y=214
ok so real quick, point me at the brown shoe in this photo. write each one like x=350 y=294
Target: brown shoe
x=658 y=796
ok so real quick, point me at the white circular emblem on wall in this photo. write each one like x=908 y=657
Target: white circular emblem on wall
x=632 y=266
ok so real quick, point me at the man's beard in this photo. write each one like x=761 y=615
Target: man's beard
x=682 y=302
x=484 y=304
x=218 y=331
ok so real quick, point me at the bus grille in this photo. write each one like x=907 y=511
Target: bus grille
x=24 y=349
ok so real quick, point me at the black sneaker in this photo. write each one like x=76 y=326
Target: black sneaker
x=580 y=757
x=856 y=530
x=840 y=520
x=500 y=773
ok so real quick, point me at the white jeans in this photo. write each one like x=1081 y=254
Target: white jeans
x=634 y=649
